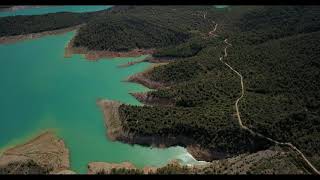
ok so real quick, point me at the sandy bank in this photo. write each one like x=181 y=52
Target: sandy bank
x=44 y=154
x=112 y=119
x=18 y=38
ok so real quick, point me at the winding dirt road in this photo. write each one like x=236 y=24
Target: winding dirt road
x=255 y=133
x=211 y=33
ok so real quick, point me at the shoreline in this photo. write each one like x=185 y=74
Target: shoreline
x=142 y=78
x=149 y=59
x=90 y=55
x=131 y=63
x=115 y=132
x=107 y=168
x=25 y=139
x=147 y=99
x=241 y=164
x=94 y=55
x=19 y=38
x=46 y=151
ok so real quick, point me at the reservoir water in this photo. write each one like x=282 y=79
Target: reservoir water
x=40 y=89
x=51 y=9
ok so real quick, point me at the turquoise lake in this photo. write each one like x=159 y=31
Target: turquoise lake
x=40 y=89
x=52 y=9
x=221 y=6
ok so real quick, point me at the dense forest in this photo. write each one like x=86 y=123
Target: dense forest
x=283 y=97
x=19 y=25
x=278 y=21
x=122 y=33
x=278 y=58
x=132 y=27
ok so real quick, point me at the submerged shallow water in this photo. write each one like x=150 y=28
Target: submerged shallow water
x=40 y=89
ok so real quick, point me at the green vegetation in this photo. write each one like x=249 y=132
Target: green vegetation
x=122 y=33
x=17 y=25
x=23 y=167
x=188 y=49
x=283 y=99
x=126 y=171
x=278 y=58
x=214 y=130
x=122 y=171
x=279 y=21
x=173 y=168
x=131 y=27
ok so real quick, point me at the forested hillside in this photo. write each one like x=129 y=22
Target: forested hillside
x=19 y=25
x=122 y=33
x=130 y=27
x=276 y=22
x=283 y=96
x=277 y=52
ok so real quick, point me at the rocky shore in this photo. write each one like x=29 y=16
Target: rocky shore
x=106 y=168
x=142 y=78
x=149 y=59
x=43 y=154
x=147 y=99
x=115 y=132
x=271 y=161
x=46 y=154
